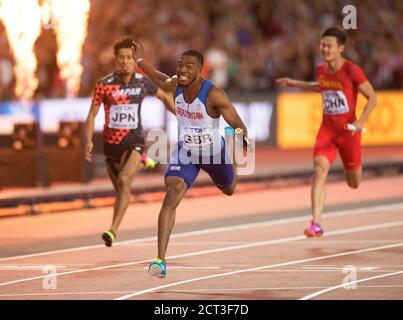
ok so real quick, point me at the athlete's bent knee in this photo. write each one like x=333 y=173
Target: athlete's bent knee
x=124 y=181
x=321 y=171
x=174 y=191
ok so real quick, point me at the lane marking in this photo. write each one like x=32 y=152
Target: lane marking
x=339 y=268
x=323 y=271
x=366 y=241
x=60 y=293
x=196 y=253
x=187 y=290
x=318 y=293
x=191 y=243
x=119 y=269
x=332 y=214
x=268 y=288
x=138 y=293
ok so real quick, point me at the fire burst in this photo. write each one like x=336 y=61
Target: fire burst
x=22 y=20
x=69 y=19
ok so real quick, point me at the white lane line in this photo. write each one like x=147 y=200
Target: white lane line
x=194 y=243
x=332 y=214
x=266 y=289
x=76 y=271
x=184 y=291
x=138 y=293
x=60 y=293
x=315 y=270
x=315 y=294
x=33 y=266
x=338 y=268
x=196 y=253
x=366 y=241
x=357 y=265
x=222 y=268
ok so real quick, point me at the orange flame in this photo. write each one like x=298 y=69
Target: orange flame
x=69 y=19
x=21 y=19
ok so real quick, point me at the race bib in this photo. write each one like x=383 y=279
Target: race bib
x=334 y=102
x=198 y=138
x=123 y=116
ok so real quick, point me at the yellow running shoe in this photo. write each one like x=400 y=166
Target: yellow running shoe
x=149 y=163
x=109 y=237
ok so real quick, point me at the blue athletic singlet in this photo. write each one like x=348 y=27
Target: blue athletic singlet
x=200 y=144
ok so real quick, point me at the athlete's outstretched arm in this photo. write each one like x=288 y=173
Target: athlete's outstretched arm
x=167 y=99
x=89 y=131
x=160 y=79
x=368 y=91
x=219 y=99
x=306 y=85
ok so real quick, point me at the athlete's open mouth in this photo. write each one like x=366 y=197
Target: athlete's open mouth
x=183 y=78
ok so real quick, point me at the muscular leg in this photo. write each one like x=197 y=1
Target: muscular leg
x=350 y=152
x=123 y=183
x=353 y=177
x=229 y=191
x=230 y=143
x=321 y=169
x=112 y=176
x=175 y=189
x=114 y=180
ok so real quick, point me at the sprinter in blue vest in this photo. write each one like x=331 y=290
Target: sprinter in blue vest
x=198 y=107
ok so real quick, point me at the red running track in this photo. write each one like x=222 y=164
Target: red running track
x=248 y=246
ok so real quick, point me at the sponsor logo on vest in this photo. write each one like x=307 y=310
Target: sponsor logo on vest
x=190 y=115
x=127 y=92
x=330 y=84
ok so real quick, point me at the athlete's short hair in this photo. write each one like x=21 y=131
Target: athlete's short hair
x=336 y=32
x=196 y=54
x=126 y=42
